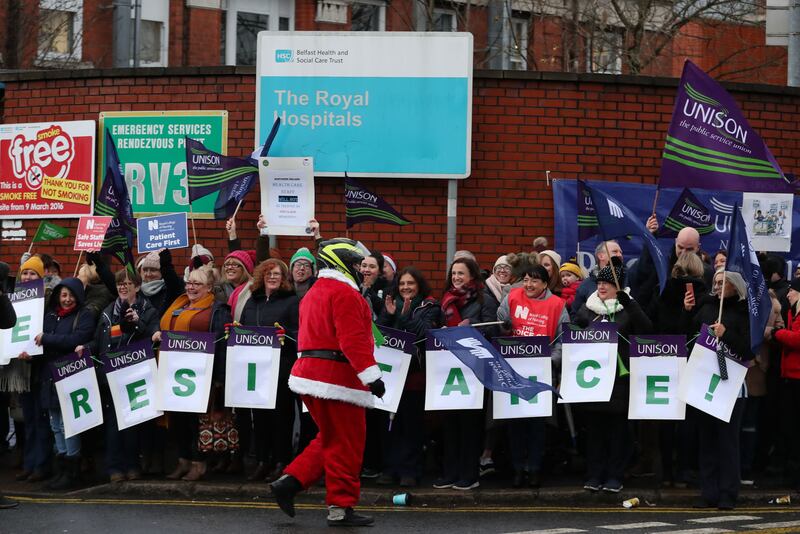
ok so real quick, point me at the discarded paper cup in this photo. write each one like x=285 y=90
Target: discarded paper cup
x=786 y=499
x=631 y=503
x=402 y=499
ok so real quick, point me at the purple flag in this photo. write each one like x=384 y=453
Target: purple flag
x=208 y=172
x=114 y=201
x=587 y=217
x=362 y=205
x=687 y=211
x=711 y=145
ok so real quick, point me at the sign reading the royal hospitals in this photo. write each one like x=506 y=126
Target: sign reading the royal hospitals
x=377 y=104
x=46 y=169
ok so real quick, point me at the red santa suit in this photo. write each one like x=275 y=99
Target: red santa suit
x=334 y=317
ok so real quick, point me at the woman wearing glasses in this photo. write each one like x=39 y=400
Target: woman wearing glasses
x=130 y=318
x=267 y=301
x=195 y=311
x=303 y=271
x=236 y=271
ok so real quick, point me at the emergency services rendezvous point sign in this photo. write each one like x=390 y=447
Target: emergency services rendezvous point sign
x=388 y=104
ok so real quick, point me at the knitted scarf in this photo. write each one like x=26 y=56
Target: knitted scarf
x=184 y=312
x=455 y=299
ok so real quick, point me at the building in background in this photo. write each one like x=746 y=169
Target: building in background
x=725 y=37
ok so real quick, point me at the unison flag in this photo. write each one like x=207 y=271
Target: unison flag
x=48 y=231
x=742 y=259
x=587 y=218
x=615 y=220
x=493 y=371
x=362 y=205
x=711 y=145
x=115 y=202
x=687 y=211
x=208 y=171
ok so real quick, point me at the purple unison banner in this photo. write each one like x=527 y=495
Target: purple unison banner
x=208 y=171
x=660 y=345
x=362 y=205
x=711 y=145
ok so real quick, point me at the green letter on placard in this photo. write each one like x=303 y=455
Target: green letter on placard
x=251 y=376
x=455 y=382
x=515 y=398
x=581 y=374
x=21 y=326
x=653 y=388
x=136 y=390
x=80 y=399
x=182 y=377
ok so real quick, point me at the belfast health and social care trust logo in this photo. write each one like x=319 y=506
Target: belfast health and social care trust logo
x=284 y=55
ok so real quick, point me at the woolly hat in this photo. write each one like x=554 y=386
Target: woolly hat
x=150 y=260
x=388 y=259
x=34 y=263
x=502 y=260
x=242 y=257
x=555 y=256
x=571 y=266
x=605 y=275
x=201 y=251
x=303 y=254
x=795 y=284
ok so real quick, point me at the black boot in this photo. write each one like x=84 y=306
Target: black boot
x=347 y=517
x=72 y=474
x=59 y=471
x=284 y=489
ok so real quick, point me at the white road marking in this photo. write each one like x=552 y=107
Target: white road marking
x=550 y=531
x=724 y=518
x=697 y=531
x=780 y=524
x=628 y=526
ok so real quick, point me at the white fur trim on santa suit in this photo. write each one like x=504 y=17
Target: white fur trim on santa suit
x=369 y=375
x=333 y=274
x=324 y=390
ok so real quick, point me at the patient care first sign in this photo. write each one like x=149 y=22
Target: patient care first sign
x=47 y=169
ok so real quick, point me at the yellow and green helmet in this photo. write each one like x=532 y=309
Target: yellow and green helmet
x=343 y=255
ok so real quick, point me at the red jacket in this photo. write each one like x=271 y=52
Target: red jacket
x=334 y=316
x=789 y=338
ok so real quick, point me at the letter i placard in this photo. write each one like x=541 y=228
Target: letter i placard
x=530 y=357
x=655 y=365
x=185 y=366
x=78 y=393
x=28 y=302
x=700 y=384
x=252 y=365
x=588 y=362
x=131 y=374
x=449 y=384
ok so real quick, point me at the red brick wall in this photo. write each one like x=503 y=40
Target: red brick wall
x=596 y=127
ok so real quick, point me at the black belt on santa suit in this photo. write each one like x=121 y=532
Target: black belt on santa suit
x=334 y=355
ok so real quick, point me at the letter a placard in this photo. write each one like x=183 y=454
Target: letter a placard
x=655 y=365
x=530 y=357
x=185 y=365
x=251 y=367
x=449 y=383
x=700 y=384
x=78 y=393
x=588 y=362
x=131 y=373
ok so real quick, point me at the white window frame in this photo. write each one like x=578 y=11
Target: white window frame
x=71 y=6
x=518 y=60
x=381 y=12
x=452 y=13
x=616 y=68
x=274 y=9
x=154 y=11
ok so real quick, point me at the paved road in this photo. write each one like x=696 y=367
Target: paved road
x=145 y=516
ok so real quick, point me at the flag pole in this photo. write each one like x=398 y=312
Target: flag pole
x=30 y=247
x=239 y=205
x=78 y=264
x=721 y=293
x=655 y=200
x=611 y=264
x=191 y=216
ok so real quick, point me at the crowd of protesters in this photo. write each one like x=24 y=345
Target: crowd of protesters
x=101 y=311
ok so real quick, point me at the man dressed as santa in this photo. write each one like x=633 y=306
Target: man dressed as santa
x=336 y=376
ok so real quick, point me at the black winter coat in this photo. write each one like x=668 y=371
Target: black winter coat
x=281 y=307
x=735 y=317
x=426 y=316
x=665 y=310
